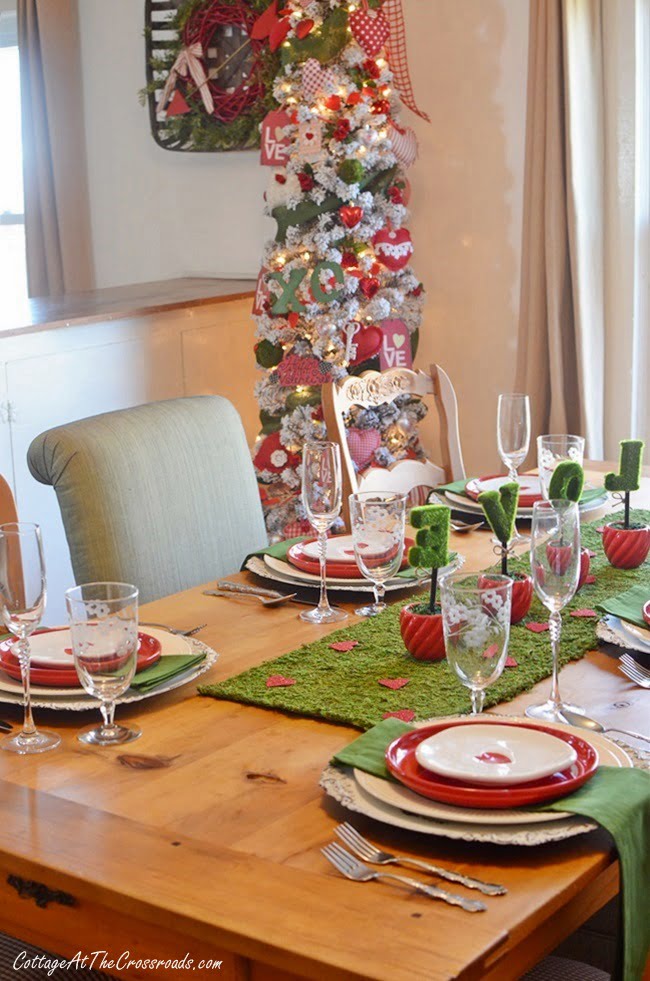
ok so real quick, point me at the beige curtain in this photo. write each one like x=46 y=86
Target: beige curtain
x=57 y=220
x=560 y=351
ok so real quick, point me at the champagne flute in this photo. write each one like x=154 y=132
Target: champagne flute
x=104 y=629
x=377 y=522
x=556 y=448
x=513 y=440
x=476 y=624
x=555 y=568
x=322 y=492
x=22 y=602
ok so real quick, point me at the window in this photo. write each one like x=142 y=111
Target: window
x=13 y=274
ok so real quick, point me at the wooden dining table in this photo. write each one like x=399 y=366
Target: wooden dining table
x=201 y=842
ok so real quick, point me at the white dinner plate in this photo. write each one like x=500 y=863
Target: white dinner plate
x=467 y=504
x=494 y=755
x=340 y=548
x=285 y=572
x=614 y=631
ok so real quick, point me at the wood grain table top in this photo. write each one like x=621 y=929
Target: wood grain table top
x=222 y=846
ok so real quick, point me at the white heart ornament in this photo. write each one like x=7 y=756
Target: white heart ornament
x=316 y=79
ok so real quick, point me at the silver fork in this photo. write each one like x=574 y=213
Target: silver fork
x=634 y=672
x=173 y=630
x=351 y=868
x=370 y=853
x=633 y=663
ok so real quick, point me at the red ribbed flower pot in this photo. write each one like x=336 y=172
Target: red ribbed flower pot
x=626 y=548
x=522 y=594
x=422 y=634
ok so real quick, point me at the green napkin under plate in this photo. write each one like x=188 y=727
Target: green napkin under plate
x=281 y=550
x=628 y=605
x=618 y=798
x=165 y=669
x=458 y=487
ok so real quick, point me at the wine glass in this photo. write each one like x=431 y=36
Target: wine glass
x=553 y=449
x=322 y=491
x=104 y=629
x=377 y=521
x=513 y=439
x=476 y=623
x=555 y=568
x=22 y=602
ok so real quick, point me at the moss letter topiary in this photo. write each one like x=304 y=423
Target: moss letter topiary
x=431 y=549
x=500 y=510
x=567 y=481
x=628 y=477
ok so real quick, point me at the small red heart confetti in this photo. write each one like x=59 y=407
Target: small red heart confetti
x=491 y=651
x=344 y=645
x=488 y=757
x=600 y=529
x=511 y=662
x=406 y=715
x=591 y=553
x=279 y=681
x=394 y=683
x=590 y=580
x=584 y=613
x=537 y=628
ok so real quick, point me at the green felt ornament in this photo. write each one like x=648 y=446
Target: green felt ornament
x=308 y=396
x=324 y=44
x=317 y=290
x=268 y=354
x=628 y=478
x=351 y=171
x=288 y=301
x=500 y=510
x=567 y=481
x=431 y=549
x=270 y=423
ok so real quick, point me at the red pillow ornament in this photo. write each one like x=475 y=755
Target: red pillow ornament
x=273 y=456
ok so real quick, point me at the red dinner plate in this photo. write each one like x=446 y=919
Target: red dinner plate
x=646 y=613
x=527 y=497
x=401 y=761
x=149 y=651
x=335 y=570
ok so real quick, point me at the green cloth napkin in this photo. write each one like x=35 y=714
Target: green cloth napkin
x=281 y=549
x=458 y=487
x=166 y=668
x=628 y=605
x=617 y=798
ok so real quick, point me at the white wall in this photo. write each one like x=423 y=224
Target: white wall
x=158 y=214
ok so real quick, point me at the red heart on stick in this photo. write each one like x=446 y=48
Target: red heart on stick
x=368 y=342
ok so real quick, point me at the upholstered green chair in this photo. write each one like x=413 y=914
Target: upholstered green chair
x=162 y=495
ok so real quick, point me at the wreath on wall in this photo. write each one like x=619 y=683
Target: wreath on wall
x=209 y=82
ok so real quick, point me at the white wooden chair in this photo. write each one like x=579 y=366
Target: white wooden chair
x=373 y=388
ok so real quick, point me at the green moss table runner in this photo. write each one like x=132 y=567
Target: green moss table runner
x=376 y=676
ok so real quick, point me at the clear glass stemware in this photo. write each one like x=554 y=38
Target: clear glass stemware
x=22 y=602
x=556 y=448
x=476 y=623
x=555 y=568
x=513 y=439
x=322 y=493
x=377 y=522
x=104 y=629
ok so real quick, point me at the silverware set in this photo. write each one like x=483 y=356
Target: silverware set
x=267 y=597
x=634 y=671
x=353 y=868
x=173 y=630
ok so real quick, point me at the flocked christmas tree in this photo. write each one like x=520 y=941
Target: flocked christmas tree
x=336 y=294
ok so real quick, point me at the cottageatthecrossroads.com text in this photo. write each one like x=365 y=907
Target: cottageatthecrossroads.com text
x=101 y=960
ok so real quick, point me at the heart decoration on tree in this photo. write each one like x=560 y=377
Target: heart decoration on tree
x=370 y=29
x=294 y=370
x=404 y=143
x=367 y=342
x=394 y=247
x=369 y=286
x=362 y=444
x=316 y=78
x=304 y=28
x=351 y=215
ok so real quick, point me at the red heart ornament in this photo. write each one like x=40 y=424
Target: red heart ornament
x=303 y=28
x=316 y=78
x=406 y=715
x=370 y=29
x=362 y=444
x=368 y=342
x=369 y=286
x=351 y=215
x=393 y=247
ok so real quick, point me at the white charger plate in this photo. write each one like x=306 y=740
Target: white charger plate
x=467 y=504
x=276 y=570
x=494 y=755
x=615 y=631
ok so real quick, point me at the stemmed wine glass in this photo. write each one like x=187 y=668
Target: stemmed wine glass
x=322 y=490
x=22 y=602
x=104 y=629
x=476 y=623
x=513 y=439
x=555 y=567
x=553 y=449
x=377 y=521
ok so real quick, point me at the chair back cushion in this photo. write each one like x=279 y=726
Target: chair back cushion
x=162 y=495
